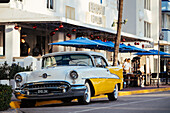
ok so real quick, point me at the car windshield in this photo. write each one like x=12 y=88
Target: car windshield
x=67 y=60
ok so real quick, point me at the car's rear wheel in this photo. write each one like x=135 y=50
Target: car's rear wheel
x=28 y=103
x=114 y=95
x=87 y=95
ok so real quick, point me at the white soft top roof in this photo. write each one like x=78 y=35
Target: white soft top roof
x=74 y=52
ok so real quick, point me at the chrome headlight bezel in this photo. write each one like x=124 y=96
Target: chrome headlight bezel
x=73 y=75
x=18 y=78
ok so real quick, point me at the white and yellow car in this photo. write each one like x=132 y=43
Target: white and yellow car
x=69 y=75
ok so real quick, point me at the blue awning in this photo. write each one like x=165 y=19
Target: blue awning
x=125 y=49
x=133 y=49
x=152 y=52
x=82 y=42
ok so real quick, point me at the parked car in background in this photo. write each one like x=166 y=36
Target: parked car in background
x=70 y=75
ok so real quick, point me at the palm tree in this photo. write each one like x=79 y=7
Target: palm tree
x=118 y=36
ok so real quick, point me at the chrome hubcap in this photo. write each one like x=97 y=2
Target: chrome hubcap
x=87 y=93
x=116 y=91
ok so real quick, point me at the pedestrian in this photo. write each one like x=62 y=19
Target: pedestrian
x=36 y=50
x=24 y=47
x=126 y=66
x=167 y=71
x=140 y=72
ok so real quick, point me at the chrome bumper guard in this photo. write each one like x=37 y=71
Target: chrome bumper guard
x=54 y=90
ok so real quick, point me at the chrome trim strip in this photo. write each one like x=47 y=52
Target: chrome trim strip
x=101 y=77
x=78 y=87
x=44 y=88
x=49 y=81
x=42 y=76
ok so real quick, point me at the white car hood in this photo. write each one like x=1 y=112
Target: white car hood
x=54 y=73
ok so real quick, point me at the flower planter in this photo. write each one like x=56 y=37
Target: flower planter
x=4 y=82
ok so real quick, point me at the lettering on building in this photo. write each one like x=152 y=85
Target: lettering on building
x=96 y=19
x=97 y=11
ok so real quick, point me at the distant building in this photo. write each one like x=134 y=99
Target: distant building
x=144 y=21
x=166 y=24
x=165 y=43
x=46 y=21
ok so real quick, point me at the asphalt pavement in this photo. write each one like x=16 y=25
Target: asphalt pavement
x=130 y=95
x=157 y=102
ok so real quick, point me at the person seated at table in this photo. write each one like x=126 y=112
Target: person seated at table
x=140 y=71
x=126 y=66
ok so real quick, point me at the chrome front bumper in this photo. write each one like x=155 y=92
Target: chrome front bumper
x=49 y=90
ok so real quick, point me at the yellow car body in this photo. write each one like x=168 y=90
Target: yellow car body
x=106 y=85
x=70 y=75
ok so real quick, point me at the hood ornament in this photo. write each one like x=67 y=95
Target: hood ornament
x=44 y=75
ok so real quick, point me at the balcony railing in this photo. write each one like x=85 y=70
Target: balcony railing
x=166 y=34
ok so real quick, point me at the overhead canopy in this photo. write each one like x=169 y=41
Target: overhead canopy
x=110 y=45
x=152 y=52
x=82 y=42
x=124 y=49
x=133 y=49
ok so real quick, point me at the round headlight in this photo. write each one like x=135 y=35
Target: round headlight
x=73 y=75
x=18 y=78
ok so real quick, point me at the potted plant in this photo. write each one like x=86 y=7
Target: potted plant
x=5 y=96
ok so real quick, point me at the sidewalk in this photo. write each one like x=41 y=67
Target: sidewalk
x=144 y=88
x=140 y=90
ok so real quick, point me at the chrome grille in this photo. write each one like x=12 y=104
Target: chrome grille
x=52 y=87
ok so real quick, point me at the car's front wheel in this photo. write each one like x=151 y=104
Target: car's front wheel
x=87 y=95
x=114 y=95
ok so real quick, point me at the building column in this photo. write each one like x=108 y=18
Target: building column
x=12 y=42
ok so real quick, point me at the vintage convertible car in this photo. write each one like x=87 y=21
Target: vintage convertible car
x=70 y=75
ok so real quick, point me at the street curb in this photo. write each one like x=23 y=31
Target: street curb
x=124 y=93
x=16 y=104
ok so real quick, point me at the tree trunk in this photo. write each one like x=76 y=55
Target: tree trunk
x=118 y=36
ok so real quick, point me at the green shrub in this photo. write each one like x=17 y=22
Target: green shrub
x=8 y=72
x=5 y=96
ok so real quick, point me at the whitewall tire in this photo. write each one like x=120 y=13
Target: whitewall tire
x=87 y=95
x=114 y=95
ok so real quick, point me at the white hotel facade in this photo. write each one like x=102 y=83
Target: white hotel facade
x=88 y=17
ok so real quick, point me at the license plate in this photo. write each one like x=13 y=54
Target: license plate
x=42 y=91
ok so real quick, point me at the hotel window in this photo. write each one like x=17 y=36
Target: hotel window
x=163 y=21
x=50 y=4
x=168 y=21
x=4 y=1
x=147 y=4
x=147 y=29
x=70 y=12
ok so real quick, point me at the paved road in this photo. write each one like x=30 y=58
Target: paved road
x=143 y=103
